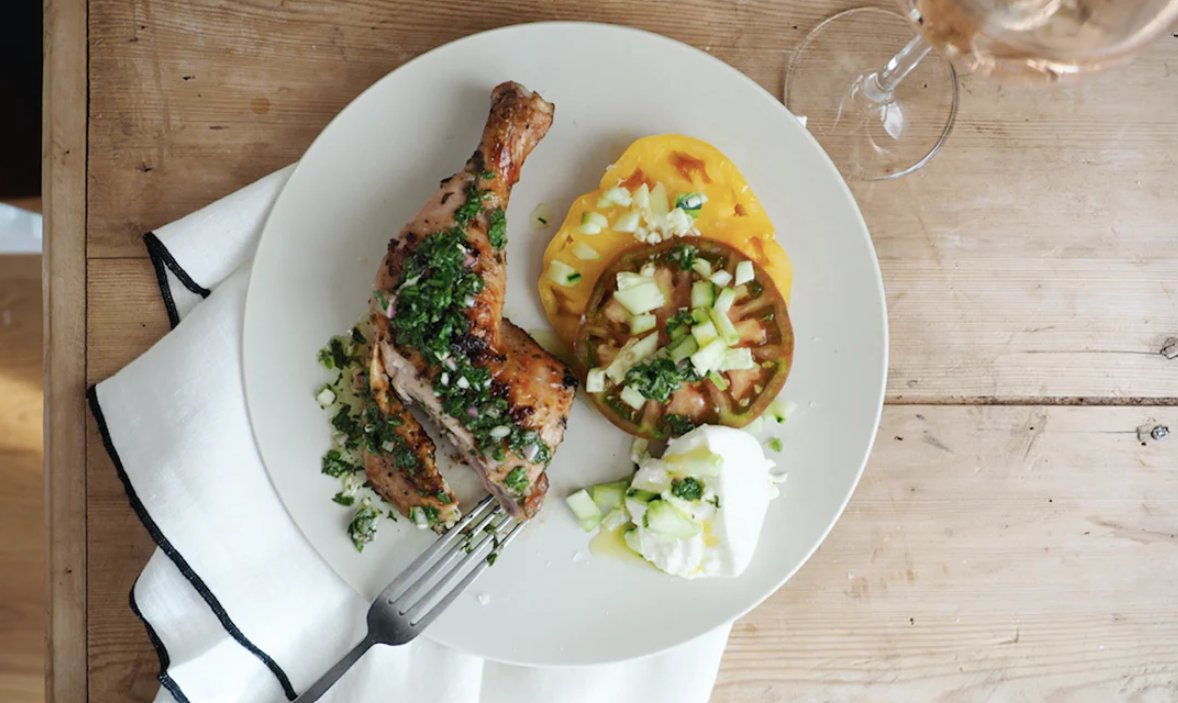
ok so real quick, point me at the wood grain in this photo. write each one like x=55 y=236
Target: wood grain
x=989 y=554
x=22 y=550
x=64 y=188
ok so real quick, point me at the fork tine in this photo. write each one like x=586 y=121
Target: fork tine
x=442 y=563
x=428 y=617
x=442 y=542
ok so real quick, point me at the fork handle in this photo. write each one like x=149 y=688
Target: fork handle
x=316 y=691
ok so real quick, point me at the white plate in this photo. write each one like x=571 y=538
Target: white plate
x=551 y=601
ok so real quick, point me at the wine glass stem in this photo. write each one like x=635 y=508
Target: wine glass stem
x=879 y=85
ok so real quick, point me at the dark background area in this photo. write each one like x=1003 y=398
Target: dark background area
x=20 y=100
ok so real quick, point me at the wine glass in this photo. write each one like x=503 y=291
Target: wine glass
x=881 y=114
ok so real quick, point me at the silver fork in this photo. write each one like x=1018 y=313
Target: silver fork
x=402 y=611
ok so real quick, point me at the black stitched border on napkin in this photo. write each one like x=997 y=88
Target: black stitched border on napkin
x=163 y=261
x=181 y=563
x=161 y=651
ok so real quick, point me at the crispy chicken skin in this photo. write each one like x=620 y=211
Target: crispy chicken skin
x=404 y=486
x=535 y=389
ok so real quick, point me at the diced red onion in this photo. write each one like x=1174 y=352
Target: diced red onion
x=469 y=261
x=473 y=412
x=392 y=311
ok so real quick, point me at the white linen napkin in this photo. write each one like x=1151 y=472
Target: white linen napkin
x=237 y=604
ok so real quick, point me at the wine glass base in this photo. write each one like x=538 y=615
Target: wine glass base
x=868 y=139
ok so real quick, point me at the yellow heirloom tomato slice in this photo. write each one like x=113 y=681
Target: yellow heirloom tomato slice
x=588 y=242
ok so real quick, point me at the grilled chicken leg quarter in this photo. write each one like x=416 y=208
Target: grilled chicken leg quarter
x=437 y=311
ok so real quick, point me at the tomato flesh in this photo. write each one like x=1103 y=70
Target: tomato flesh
x=758 y=315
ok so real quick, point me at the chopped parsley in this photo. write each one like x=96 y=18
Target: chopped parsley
x=358 y=337
x=659 y=378
x=774 y=444
x=443 y=498
x=362 y=528
x=335 y=355
x=471 y=209
x=497 y=228
x=431 y=294
x=681 y=320
x=491 y=558
x=687 y=488
x=392 y=515
x=677 y=425
x=715 y=500
x=684 y=255
x=542 y=220
x=517 y=480
x=487 y=175
x=755 y=288
x=335 y=465
x=343 y=499
x=431 y=318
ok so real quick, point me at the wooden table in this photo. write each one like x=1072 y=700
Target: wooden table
x=1015 y=537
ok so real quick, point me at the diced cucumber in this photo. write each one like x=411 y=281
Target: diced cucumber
x=584 y=252
x=418 y=516
x=629 y=279
x=658 y=201
x=704 y=334
x=774 y=443
x=720 y=381
x=703 y=267
x=648 y=269
x=615 y=519
x=652 y=477
x=755 y=426
x=744 y=272
x=641 y=298
x=325 y=396
x=682 y=349
x=562 y=274
x=633 y=397
x=639 y=450
x=780 y=409
x=595 y=380
x=643 y=323
x=594 y=218
x=725 y=327
x=540 y=217
x=691 y=203
x=737 y=360
x=709 y=357
x=628 y=222
x=721 y=278
x=614 y=196
x=633 y=541
x=679 y=222
x=587 y=512
x=700 y=315
x=724 y=301
x=609 y=496
x=699 y=462
x=640 y=495
x=632 y=352
x=666 y=520
x=703 y=294
x=589 y=228
x=641 y=197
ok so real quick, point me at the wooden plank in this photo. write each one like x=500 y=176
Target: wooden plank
x=1033 y=258
x=126 y=314
x=64 y=189
x=22 y=551
x=990 y=553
